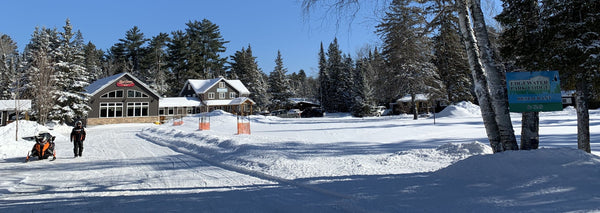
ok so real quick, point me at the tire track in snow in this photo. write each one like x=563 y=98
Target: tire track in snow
x=171 y=144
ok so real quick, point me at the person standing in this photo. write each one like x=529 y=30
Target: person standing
x=77 y=138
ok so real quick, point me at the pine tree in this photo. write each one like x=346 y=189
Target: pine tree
x=407 y=51
x=451 y=60
x=324 y=81
x=71 y=78
x=571 y=37
x=134 y=51
x=154 y=63
x=245 y=68
x=362 y=93
x=279 y=86
x=204 y=44
x=177 y=61
x=8 y=66
x=334 y=66
x=93 y=62
x=39 y=67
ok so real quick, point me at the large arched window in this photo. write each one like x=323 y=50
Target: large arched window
x=113 y=94
x=136 y=94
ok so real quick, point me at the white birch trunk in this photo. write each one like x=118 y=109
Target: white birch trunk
x=583 y=115
x=530 y=125
x=480 y=82
x=495 y=79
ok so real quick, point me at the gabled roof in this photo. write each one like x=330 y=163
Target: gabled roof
x=23 y=105
x=418 y=97
x=100 y=84
x=202 y=86
x=179 y=102
x=235 y=101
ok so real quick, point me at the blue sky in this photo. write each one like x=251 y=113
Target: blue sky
x=267 y=25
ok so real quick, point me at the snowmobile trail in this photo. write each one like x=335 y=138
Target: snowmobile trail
x=241 y=170
x=121 y=170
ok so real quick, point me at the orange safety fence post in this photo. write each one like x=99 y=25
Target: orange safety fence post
x=204 y=123
x=243 y=127
x=179 y=122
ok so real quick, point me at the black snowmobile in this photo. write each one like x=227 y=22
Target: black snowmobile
x=43 y=148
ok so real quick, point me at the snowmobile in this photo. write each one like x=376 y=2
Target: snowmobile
x=43 y=148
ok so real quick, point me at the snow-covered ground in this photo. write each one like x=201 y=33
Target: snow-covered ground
x=331 y=164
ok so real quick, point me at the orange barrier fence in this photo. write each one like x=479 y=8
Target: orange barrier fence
x=177 y=123
x=204 y=123
x=243 y=126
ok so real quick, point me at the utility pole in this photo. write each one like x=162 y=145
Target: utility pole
x=17 y=110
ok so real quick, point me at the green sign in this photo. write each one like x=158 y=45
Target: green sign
x=533 y=91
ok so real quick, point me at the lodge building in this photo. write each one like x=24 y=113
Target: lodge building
x=122 y=98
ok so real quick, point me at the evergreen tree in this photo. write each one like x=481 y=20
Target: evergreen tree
x=279 y=86
x=8 y=65
x=407 y=51
x=362 y=93
x=177 y=62
x=571 y=35
x=134 y=51
x=93 y=62
x=451 y=59
x=334 y=66
x=71 y=78
x=324 y=81
x=38 y=65
x=384 y=89
x=155 y=62
x=245 y=68
x=204 y=44
x=298 y=84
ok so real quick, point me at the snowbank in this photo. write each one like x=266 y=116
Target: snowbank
x=462 y=109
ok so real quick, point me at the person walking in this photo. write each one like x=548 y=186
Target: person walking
x=77 y=138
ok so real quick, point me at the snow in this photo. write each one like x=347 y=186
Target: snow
x=332 y=164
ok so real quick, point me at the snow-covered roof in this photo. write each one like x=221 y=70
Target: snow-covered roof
x=180 y=102
x=418 y=97
x=6 y=105
x=235 y=101
x=100 y=84
x=201 y=86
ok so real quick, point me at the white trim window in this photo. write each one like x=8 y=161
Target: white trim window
x=137 y=109
x=232 y=95
x=136 y=94
x=113 y=94
x=111 y=110
x=221 y=84
x=221 y=95
x=211 y=95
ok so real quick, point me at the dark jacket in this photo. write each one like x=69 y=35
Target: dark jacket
x=78 y=134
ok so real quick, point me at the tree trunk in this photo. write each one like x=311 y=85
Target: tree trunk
x=530 y=122
x=480 y=82
x=415 y=105
x=495 y=79
x=583 y=115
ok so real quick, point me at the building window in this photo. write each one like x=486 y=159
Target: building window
x=111 y=110
x=221 y=95
x=221 y=84
x=171 y=111
x=136 y=94
x=232 y=95
x=137 y=109
x=113 y=94
x=211 y=95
